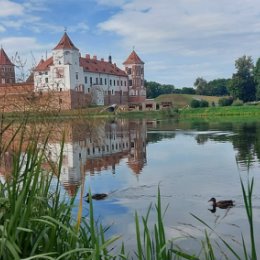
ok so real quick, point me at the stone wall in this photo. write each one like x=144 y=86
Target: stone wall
x=21 y=97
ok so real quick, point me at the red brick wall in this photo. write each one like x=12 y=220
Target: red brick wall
x=136 y=99
x=21 y=97
x=116 y=99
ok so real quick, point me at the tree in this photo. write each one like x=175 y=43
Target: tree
x=155 y=89
x=243 y=85
x=22 y=68
x=186 y=90
x=152 y=89
x=201 y=86
x=257 y=79
x=218 y=87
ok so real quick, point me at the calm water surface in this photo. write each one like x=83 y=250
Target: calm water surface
x=190 y=162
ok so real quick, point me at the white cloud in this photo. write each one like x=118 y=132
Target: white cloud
x=23 y=45
x=9 y=8
x=35 y=5
x=80 y=27
x=170 y=24
x=202 y=31
x=2 y=28
x=111 y=2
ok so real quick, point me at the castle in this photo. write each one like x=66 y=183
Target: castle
x=7 y=72
x=71 y=81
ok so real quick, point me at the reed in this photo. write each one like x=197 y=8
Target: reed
x=35 y=220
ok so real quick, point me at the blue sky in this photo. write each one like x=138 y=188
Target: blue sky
x=179 y=40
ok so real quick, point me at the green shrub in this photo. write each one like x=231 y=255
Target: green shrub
x=204 y=103
x=195 y=103
x=199 y=103
x=225 y=101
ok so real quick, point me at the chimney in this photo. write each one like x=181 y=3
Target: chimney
x=94 y=57
x=110 y=59
x=87 y=56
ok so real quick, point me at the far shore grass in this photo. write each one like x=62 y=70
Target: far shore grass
x=97 y=112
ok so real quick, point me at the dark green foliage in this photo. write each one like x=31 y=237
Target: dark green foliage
x=204 y=103
x=243 y=84
x=218 y=87
x=225 y=101
x=186 y=90
x=257 y=79
x=155 y=89
x=199 y=103
x=201 y=86
x=195 y=103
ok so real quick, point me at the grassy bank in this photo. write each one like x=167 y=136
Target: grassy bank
x=98 y=112
x=220 y=111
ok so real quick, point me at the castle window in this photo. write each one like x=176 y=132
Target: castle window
x=90 y=81
x=112 y=92
x=46 y=80
x=121 y=83
x=77 y=75
x=105 y=81
x=114 y=82
x=118 y=83
x=86 y=80
x=130 y=82
x=96 y=80
x=129 y=71
x=101 y=82
x=125 y=83
x=110 y=82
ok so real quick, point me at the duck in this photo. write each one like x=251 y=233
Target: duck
x=97 y=196
x=222 y=204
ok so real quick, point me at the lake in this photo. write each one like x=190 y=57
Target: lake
x=189 y=162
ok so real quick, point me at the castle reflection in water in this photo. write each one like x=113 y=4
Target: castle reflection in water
x=89 y=147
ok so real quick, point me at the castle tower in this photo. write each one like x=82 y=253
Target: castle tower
x=134 y=68
x=7 y=73
x=68 y=75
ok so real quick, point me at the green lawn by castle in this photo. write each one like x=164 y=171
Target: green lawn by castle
x=184 y=100
x=246 y=110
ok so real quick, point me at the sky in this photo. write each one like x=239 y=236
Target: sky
x=179 y=40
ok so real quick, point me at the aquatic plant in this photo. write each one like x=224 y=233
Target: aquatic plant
x=35 y=220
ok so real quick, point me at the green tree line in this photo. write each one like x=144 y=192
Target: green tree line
x=243 y=85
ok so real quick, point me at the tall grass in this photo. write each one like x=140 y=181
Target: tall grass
x=35 y=220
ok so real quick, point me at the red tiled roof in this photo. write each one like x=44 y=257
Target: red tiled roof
x=100 y=66
x=44 y=65
x=65 y=43
x=133 y=58
x=89 y=65
x=4 y=60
